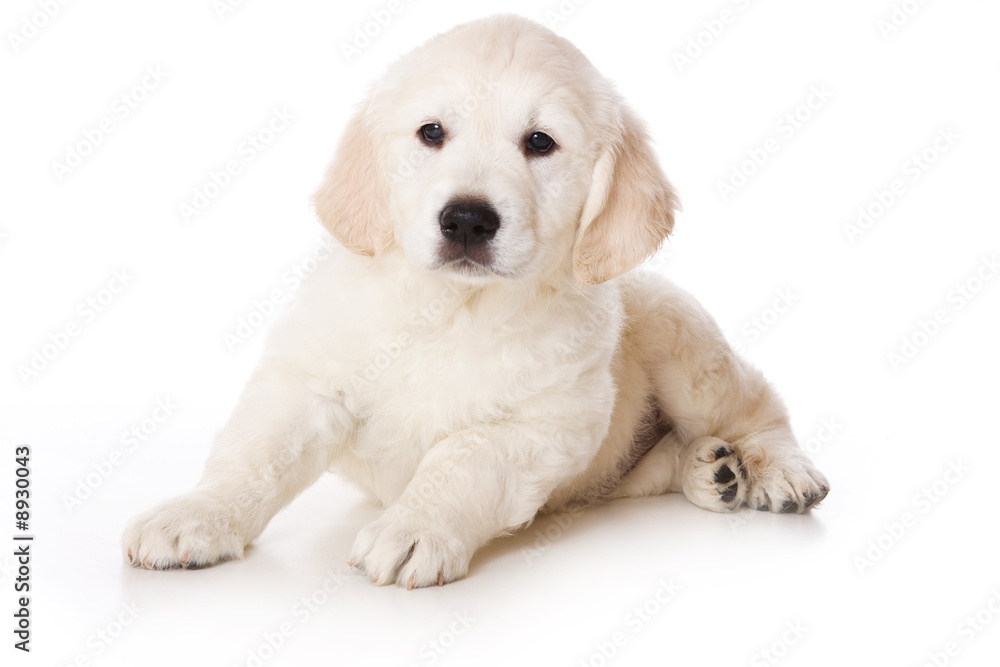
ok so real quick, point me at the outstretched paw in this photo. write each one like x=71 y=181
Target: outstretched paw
x=787 y=484
x=187 y=532
x=397 y=549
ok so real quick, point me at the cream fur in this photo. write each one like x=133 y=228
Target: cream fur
x=467 y=400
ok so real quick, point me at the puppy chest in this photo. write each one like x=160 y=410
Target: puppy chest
x=446 y=382
x=412 y=377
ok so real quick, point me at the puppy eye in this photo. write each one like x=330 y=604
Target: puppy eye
x=432 y=134
x=539 y=142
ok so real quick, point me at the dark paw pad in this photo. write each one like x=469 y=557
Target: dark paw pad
x=730 y=493
x=724 y=475
x=729 y=475
x=789 y=507
x=813 y=498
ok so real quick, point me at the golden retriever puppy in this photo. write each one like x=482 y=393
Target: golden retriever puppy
x=478 y=351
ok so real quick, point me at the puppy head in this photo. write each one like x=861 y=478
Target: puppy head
x=496 y=151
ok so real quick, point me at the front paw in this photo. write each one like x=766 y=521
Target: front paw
x=788 y=484
x=403 y=550
x=190 y=532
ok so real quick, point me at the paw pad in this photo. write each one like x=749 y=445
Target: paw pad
x=714 y=476
x=724 y=475
x=730 y=493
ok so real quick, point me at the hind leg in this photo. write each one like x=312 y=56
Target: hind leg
x=720 y=476
x=707 y=471
x=731 y=444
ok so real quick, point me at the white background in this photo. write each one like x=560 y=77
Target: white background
x=879 y=575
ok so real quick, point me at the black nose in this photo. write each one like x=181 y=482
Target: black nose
x=469 y=223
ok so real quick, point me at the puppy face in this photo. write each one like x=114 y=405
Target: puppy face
x=497 y=152
x=488 y=172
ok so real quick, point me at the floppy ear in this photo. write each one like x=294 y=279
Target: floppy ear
x=630 y=209
x=352 y=203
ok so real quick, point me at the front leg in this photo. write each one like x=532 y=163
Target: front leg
x=470 y=488
x=277 y=442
